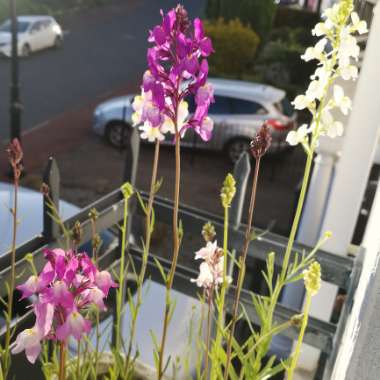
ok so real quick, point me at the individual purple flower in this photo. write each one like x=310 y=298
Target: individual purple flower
x=177 y=69
x=104 y=282
x=75 y=325
x=59 y=295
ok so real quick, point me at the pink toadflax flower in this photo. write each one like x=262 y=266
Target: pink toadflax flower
x=212 y=268
x=74 y=325
x=30 y=341
x=66 y=289
x=177 y=69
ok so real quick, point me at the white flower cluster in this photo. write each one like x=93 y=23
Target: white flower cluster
x=212 y=268
x=335 y=52
x=145 y=111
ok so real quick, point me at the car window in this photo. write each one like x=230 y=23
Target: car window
x=22 y=26
x=221 y=106
x=36 y=26
x=46 y=23
x=246 y=107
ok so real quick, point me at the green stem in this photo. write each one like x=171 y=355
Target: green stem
x=78 y=360
x=242 y=260
x=6 y=356
x=148 y=236
x=170 y=278
x=62 y=361
x=208 y=339
x=121 y=289
x=221 y=299
x=297 y=351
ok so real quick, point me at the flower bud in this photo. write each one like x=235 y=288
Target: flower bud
x=182 y=19
x=208 y=232
x=127 y=190
x=77 y=233
x=261 y=142
x=312 y=278
x=45 y=189
x=93 y=214
x=228 y=190
x=15 y=155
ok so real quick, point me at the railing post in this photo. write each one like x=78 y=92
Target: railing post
x=51 y=178
x=132 y=157
x=242 y=170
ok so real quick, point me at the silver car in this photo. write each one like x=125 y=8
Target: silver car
x=239 y=110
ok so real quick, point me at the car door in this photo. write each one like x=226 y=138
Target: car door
x=48 y=35
x=36 y=36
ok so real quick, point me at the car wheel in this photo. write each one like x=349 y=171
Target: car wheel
x=25 y=51
x=236 y=147
x=117 y=134
x=58 y=42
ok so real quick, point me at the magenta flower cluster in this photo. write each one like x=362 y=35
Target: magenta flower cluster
x=178 y=69
x=67 y=287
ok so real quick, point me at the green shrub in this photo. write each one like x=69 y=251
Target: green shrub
x=235 y=47
x=258 y=14
x=289 y=56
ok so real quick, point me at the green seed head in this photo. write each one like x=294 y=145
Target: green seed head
x=127 y=190
x=228 y=190
x=312 y=278
x=208 y=232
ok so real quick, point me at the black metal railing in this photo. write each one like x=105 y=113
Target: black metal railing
x=341 y=271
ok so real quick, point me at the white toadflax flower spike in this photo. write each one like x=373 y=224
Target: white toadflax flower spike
x=336 y=51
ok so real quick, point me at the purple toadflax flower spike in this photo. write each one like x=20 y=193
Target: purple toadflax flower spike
x=177 y=69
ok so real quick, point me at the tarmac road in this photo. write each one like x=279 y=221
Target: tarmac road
x=104 y=50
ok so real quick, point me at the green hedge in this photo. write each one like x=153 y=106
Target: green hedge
x=235 y=47
x=259 y=14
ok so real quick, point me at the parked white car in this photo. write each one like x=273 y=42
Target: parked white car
x=239 y=111
x=34 y=33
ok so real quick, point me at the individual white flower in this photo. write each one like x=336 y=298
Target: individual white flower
x=315 y=52
x=150 y=133
x=348 y=72
x=341 y=101
x=319 y=29
x=348 y=45
x=183 y=112
x=301 y=102
x=298 y=136
x=357 y=24
x=315 y=90
x=321 y=73
x=138 y=105
x=205 y=278
x=206 y=253
x=326 y=118
x=335 y=129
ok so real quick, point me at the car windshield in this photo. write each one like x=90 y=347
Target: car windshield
x=22 y=26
